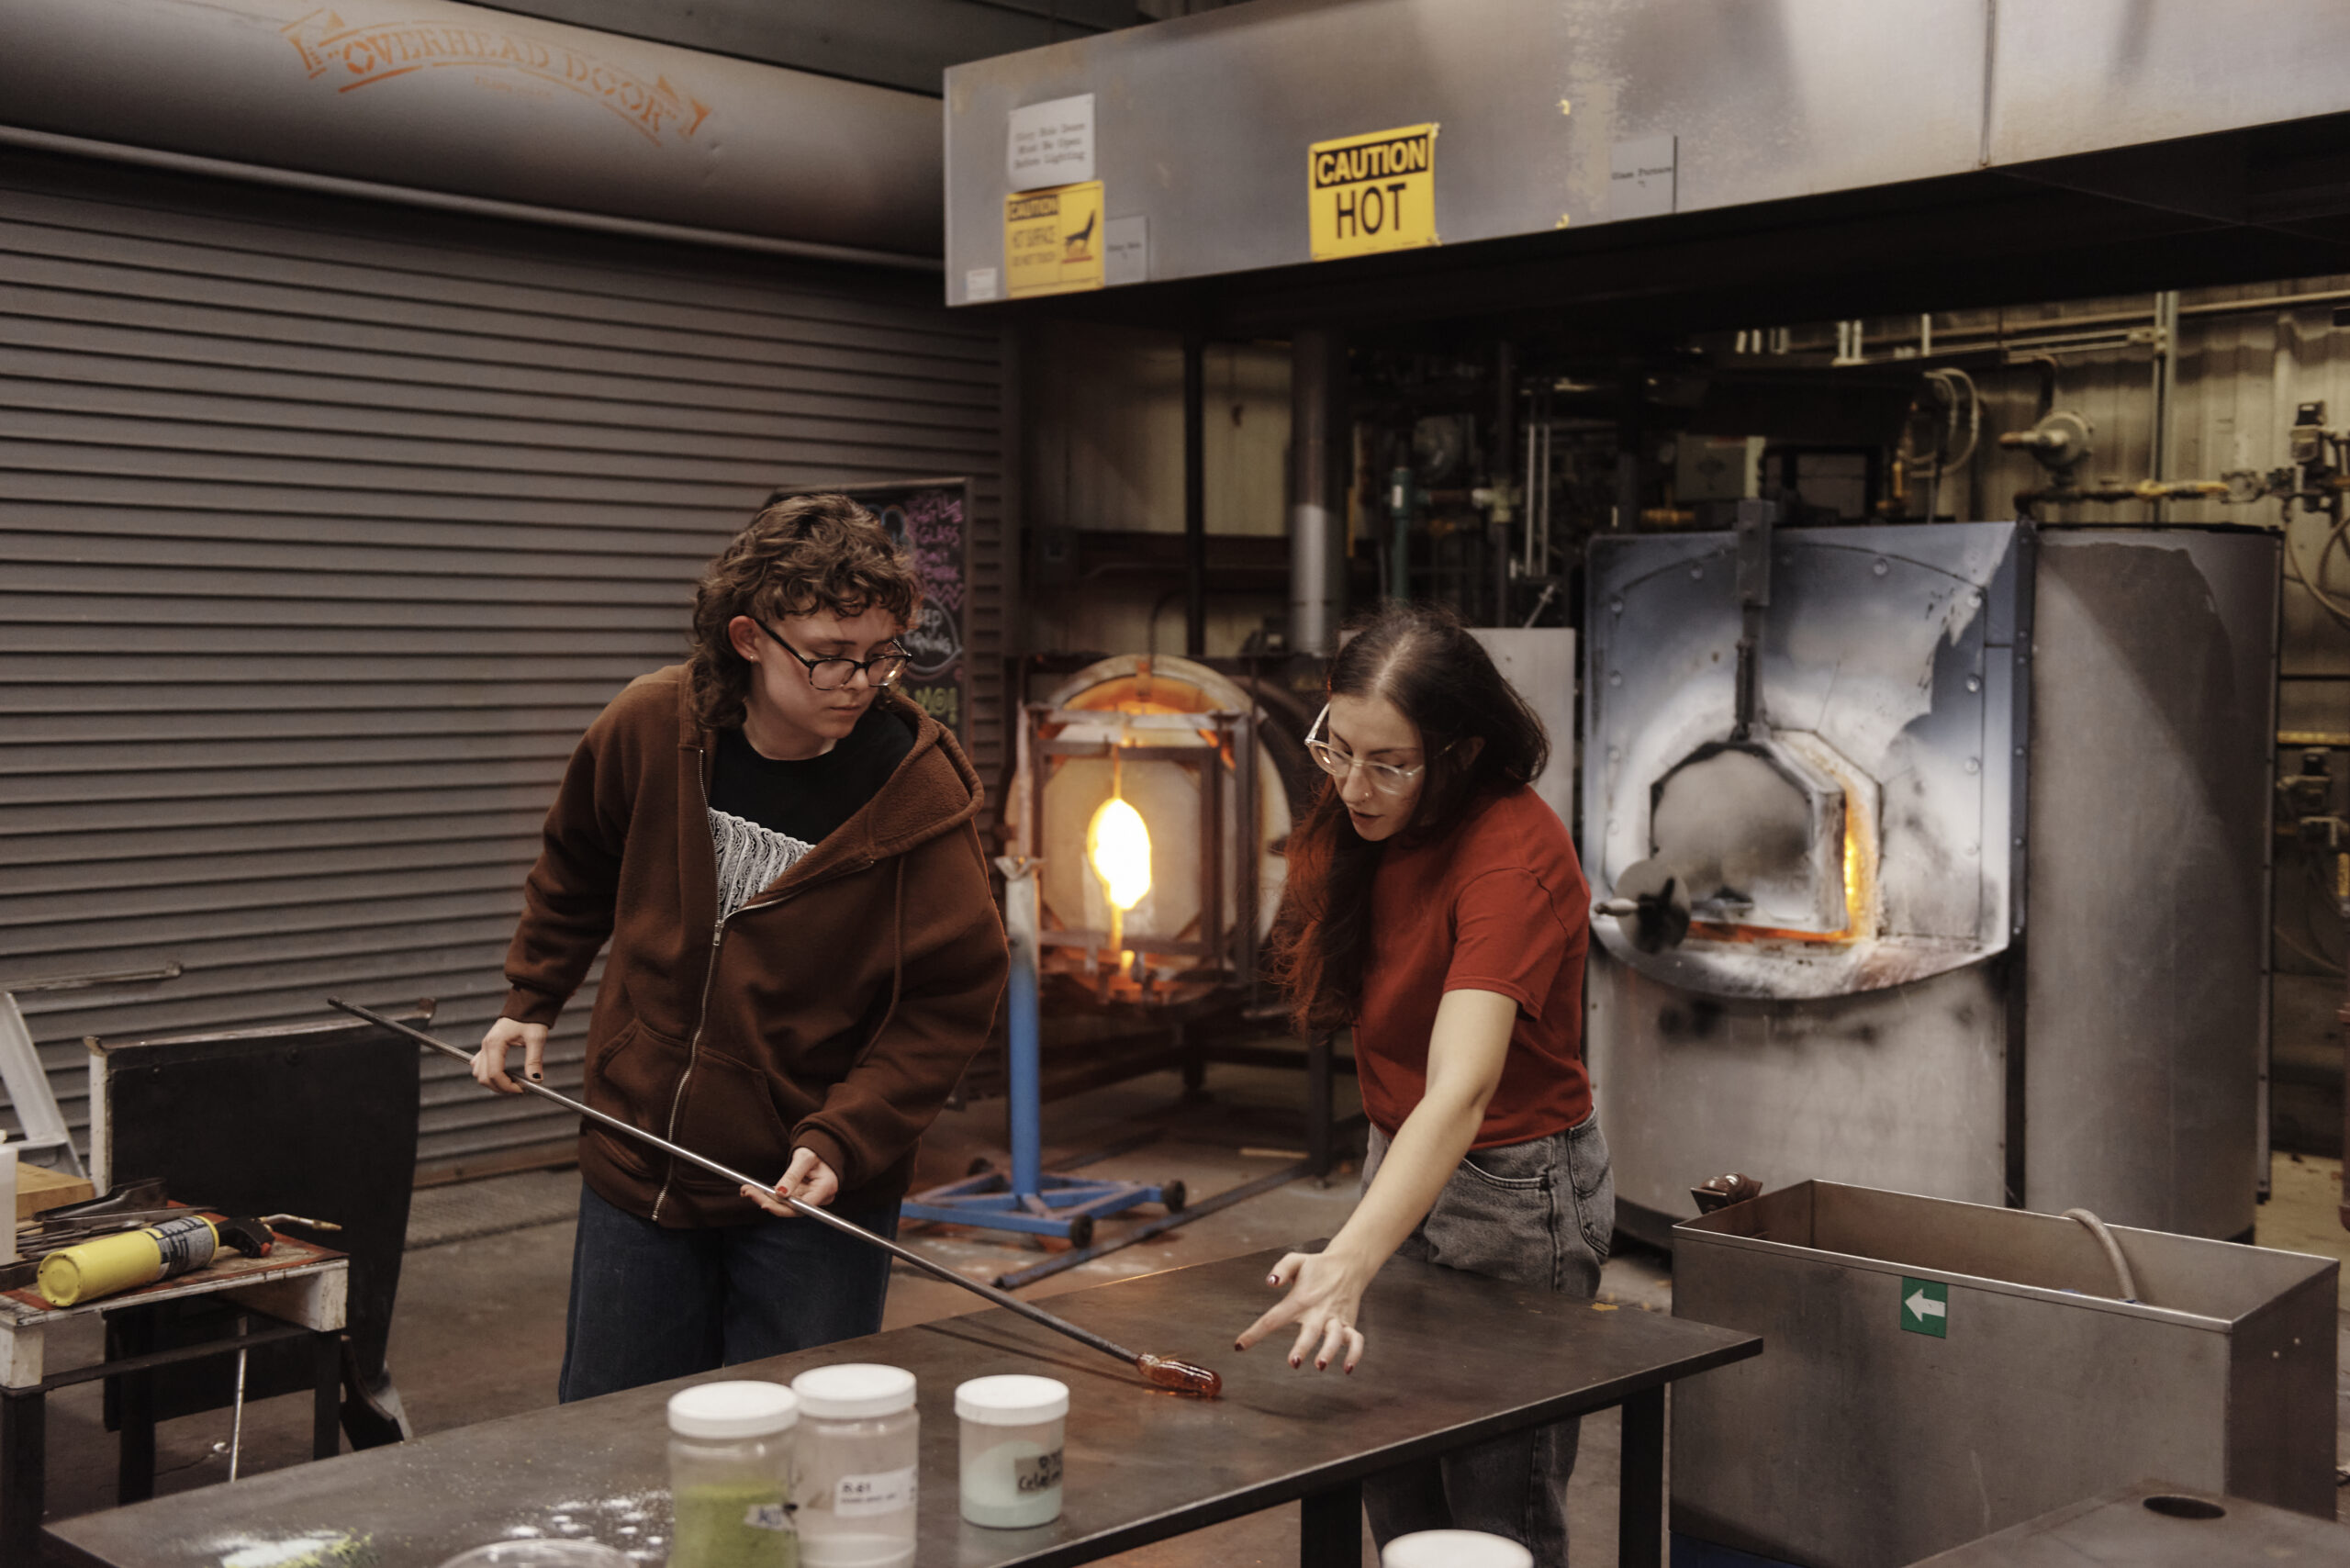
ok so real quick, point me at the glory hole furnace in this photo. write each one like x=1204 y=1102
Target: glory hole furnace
x=1973 y=821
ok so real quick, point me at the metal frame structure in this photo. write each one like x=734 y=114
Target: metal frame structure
x=1027 y=1198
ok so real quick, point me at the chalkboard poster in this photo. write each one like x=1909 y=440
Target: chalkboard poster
x=930 y=521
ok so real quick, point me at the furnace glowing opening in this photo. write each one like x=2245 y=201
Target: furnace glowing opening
x=1117 y=845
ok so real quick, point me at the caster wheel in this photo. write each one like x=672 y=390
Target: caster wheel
x=1174 y=1195
x=981 y=1165
x=1080 y=1231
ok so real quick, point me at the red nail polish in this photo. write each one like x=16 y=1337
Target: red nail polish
x=1294 y=1364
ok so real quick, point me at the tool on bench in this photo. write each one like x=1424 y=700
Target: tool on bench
x=186 y=1242
x=1161 y=1371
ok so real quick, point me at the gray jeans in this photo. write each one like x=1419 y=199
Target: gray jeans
x=1542 y=1211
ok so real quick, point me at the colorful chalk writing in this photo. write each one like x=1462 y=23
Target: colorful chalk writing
x=944 y=704
x=927 y=523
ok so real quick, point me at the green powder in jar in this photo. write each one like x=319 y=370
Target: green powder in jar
x=741 y=1523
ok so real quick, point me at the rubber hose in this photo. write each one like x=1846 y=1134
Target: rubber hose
x=2112 y=1252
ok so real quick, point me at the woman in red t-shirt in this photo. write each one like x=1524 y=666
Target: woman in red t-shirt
x=1436 y=905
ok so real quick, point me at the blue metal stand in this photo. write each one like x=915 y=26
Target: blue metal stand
x=1030 y=1199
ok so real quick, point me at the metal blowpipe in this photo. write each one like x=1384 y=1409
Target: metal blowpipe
x=1160 y=1371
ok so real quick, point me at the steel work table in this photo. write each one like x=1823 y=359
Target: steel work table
x=2176 y=1529
x=1454 y=1359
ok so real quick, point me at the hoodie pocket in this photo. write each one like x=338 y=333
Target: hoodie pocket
x=727 y=1114
x=632 y=1076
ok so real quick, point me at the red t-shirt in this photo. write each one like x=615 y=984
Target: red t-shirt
x=1497 y=904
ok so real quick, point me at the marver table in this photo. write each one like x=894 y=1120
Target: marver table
x=1454 y=1359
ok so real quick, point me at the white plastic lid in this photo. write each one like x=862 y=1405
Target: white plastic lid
x=853 y=1390
x=724 y=1410
x=1012 y=1399
x=1454 y=1549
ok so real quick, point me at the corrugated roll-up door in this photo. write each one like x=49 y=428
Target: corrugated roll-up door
x=325 y=527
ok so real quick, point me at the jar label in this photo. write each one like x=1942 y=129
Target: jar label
x=1041 y=1472
x=767 y=1516
x=862 y=1496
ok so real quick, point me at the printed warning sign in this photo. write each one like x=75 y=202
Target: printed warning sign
x=1053 y=240
x=1366 y=193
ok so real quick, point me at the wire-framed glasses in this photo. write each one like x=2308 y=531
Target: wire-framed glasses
x=1385 y=776
x=830 y=675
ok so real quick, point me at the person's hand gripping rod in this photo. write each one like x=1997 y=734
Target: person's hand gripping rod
x=1161 y=1371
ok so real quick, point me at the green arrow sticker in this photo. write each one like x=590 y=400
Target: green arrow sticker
x=1925 y=1307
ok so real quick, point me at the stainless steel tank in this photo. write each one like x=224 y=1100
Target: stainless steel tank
x=1978 y=896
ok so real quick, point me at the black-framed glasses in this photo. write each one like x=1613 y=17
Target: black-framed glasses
x=830 y=675
x=1385 y=776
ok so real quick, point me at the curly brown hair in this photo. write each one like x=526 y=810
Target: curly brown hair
x=797 y=557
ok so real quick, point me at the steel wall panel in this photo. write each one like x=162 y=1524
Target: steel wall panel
x=1203 y=123
x=323 y=534
x=2078 y=75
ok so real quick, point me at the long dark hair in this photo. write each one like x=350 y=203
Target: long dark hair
x=1419 y=657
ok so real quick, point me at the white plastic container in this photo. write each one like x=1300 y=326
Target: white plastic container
x=729 y=1476
x=860 y=1441
x=1454 y=1549
x=1012 y=1449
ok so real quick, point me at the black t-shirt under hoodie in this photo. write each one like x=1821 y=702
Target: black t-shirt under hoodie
x=765 y=814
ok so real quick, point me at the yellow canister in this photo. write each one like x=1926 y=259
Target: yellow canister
x=89 y=1270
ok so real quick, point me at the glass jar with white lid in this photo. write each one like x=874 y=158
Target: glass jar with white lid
x=729 y=1476
x=860 y=1441
x=1012 y=1426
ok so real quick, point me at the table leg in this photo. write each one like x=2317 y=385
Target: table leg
x=1639 y=1520
x=24 y=1471
x=134 y=1335
x=325 y=1395
x=1330 y=1528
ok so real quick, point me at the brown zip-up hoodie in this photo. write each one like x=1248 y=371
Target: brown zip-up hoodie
x=834 y=1012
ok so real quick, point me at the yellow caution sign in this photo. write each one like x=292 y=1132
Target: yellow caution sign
x=1052 y=239
x=1366 y=193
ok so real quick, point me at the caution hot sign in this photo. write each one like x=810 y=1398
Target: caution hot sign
x=1052 y=239
x=1372 y=192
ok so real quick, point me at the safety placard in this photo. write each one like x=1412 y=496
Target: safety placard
x=1053 y=240
x=1366 y=193
x=1925 y=1307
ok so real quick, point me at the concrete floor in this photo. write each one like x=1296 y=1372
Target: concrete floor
x=480 y=1330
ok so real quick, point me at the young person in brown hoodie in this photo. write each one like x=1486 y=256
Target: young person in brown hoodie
x=805 y=953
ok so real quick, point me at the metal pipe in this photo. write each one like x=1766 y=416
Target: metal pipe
x=1024 y=1089
x=171 y=971
x=2166 y=392
x=1152 y=1367
x=1317 y=400
x=1195 y=499
x=1504 y=465
x=1963 y=340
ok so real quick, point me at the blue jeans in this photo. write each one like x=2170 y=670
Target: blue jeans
x=649 y=1303
x=1541 y=1213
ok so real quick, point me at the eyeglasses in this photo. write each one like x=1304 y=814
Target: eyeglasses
x=1385 y=776
x=830 y=675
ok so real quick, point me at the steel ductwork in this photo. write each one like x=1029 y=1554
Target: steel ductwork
x=419 y=99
